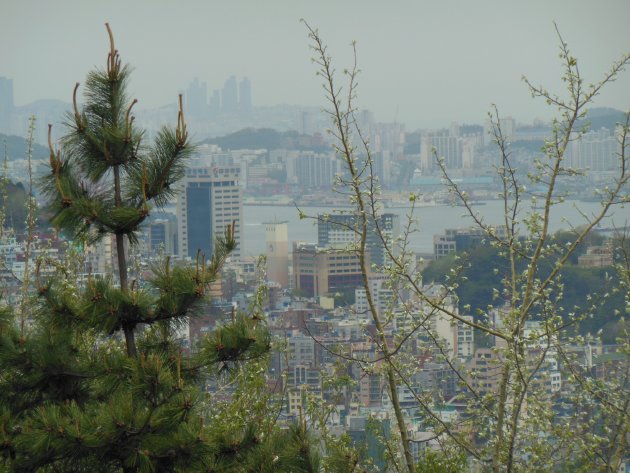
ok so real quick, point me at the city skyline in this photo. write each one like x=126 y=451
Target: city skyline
x=423 y=64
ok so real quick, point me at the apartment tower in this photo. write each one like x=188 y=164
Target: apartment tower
x=210 y=200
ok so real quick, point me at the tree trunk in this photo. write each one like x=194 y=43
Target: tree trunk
x=130 y=338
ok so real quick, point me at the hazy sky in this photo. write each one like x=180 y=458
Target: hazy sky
x=424 y=62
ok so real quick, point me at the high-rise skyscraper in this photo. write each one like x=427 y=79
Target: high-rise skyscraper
x=245 y=95
x=229 y=96
x=210 y=200
x=197 y=98
x=215 y=103
x=310 y=169
x=447 y=146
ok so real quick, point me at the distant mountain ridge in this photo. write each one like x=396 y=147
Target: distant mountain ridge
x=267 y=138
x=15 y=147
x=262 y=138
x=603 y=117
x=48 y=105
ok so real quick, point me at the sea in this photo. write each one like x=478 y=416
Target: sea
x=427 y=220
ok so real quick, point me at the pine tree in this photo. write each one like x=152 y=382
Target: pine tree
x=75 y=398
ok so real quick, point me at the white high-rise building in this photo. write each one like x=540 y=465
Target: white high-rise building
x=458 y=337
x=446 y=146
x=310 y=169
x=211 y=199
x=595 y=151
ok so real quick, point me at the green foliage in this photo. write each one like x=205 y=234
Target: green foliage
x=13 y=201
x=68 y=393
x=291 y=450
x=512 y=416
x=244 y=339
x=72 y=396
x=342 y=456
x=583 y=288
x=565 y=237
x=438 y=462
x=105 y=148
x=482 y=271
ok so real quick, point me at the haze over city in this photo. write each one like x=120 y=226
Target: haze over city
x=424 y=64
x=241 y=280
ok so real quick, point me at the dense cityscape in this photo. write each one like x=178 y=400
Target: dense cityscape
x=315 y=299
x=447 y=299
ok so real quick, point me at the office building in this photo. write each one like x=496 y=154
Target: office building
x=383 y=297
x=211 y=199
x=313 y=170
x=381 y=167
x=460 y=239
x=323 y=272
x=197 y=99
x=340 y=230
x=508 y=130
x=277 y=251
x=447 y=147
x=160 y=237
x=229 y=96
